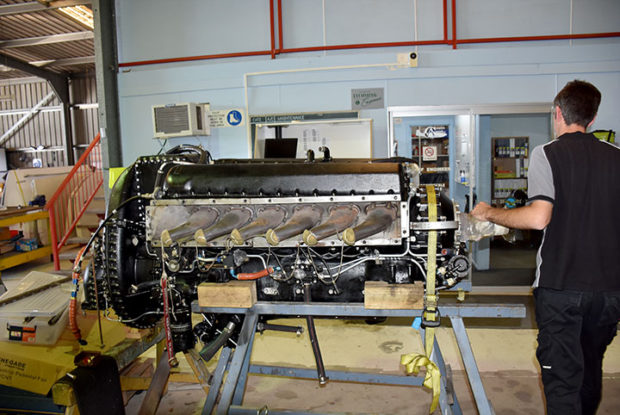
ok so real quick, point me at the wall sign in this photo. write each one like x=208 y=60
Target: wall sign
x=429 y=153
x=367 y=98
x=226 y=118
x=307 y=116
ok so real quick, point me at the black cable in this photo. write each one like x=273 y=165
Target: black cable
x=107 y=219
x=163 y=145
x=204 y=154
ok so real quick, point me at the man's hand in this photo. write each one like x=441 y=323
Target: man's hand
x=533 y=216
x=481 y=211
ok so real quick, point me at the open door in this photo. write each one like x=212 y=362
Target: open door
x=481 y=154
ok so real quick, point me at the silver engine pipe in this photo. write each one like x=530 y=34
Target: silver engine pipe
x=266 y=218
x=378 y=219
x=340 y=218
x=304 y=217
x=234 y=218
x=200 y=219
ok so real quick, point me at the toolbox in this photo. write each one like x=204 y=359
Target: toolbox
x=39 y=318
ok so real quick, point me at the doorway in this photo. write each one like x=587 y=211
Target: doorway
x=474 y=173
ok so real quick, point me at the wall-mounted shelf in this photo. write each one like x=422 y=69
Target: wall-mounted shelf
x=510 y=164
x=13 y=216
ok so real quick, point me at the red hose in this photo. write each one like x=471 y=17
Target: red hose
x=172 y=362
x=77 y=264
x=255 y=275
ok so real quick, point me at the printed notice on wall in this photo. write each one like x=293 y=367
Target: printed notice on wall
x=367 y=98
x=226 y=118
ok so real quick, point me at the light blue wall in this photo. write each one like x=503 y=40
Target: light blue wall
x=472 y=74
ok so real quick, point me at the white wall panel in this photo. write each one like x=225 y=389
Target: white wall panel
x=368 y=21
x=302 y=23
x=499 y=18
x=168 y=29
x=592 y=16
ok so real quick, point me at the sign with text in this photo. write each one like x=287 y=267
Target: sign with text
x=367 y=98
x=226 y=118
x=287 y=118
x=429 y=153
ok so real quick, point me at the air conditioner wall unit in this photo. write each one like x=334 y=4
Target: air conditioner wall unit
x=180 y=120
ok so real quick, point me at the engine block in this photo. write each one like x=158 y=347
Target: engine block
x=303 y=229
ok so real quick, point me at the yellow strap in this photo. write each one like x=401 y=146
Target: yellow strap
x=414 y=361
x=432 y=242
x=431 y=269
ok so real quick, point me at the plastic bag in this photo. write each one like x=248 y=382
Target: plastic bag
x=473 y=229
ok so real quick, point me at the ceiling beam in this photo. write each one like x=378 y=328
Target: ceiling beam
x=58 y=82
x=35 y=6
x=64 y=62
x=46 y=40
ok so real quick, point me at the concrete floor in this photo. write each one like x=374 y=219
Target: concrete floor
x=504 y=350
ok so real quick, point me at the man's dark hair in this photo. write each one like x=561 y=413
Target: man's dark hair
x=578 y=101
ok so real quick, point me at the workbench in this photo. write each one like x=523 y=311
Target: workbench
x=14 y=216
x=230 y=376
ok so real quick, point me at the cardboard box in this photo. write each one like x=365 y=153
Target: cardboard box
x=6 y=246
x=5 y=233
x=26 y=244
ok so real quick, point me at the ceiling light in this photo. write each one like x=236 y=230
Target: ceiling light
x=81 y=14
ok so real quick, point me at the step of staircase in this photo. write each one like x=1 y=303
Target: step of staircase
x=72 y=253
x=88 y=223
x=66 y=272
x=76 y=240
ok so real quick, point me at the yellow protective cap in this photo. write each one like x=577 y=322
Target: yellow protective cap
x=166 y=240
x=236 y=237
x=199 y=236
x=272 y=238
x=310 y=238
x=348 y=236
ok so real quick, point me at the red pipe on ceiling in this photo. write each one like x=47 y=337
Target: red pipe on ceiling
x=544 y=37
x=195 y=58
x=273 y=38
x=453 y=24
x=454 y=41
x=280 y=41
x=445 y=20
x=365 y=46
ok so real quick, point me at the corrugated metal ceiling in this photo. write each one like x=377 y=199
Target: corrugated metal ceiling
x=53 y=50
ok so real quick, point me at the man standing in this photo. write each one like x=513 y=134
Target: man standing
x=574 y=195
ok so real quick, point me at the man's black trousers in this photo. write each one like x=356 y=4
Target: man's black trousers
x=574 y=329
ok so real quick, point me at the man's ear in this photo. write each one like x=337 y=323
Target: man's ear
x=591 y=122
x=558 y=113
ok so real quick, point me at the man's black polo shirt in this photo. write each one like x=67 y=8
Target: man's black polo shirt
x=580 y=250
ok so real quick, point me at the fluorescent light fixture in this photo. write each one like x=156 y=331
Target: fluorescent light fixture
x=81 y=14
